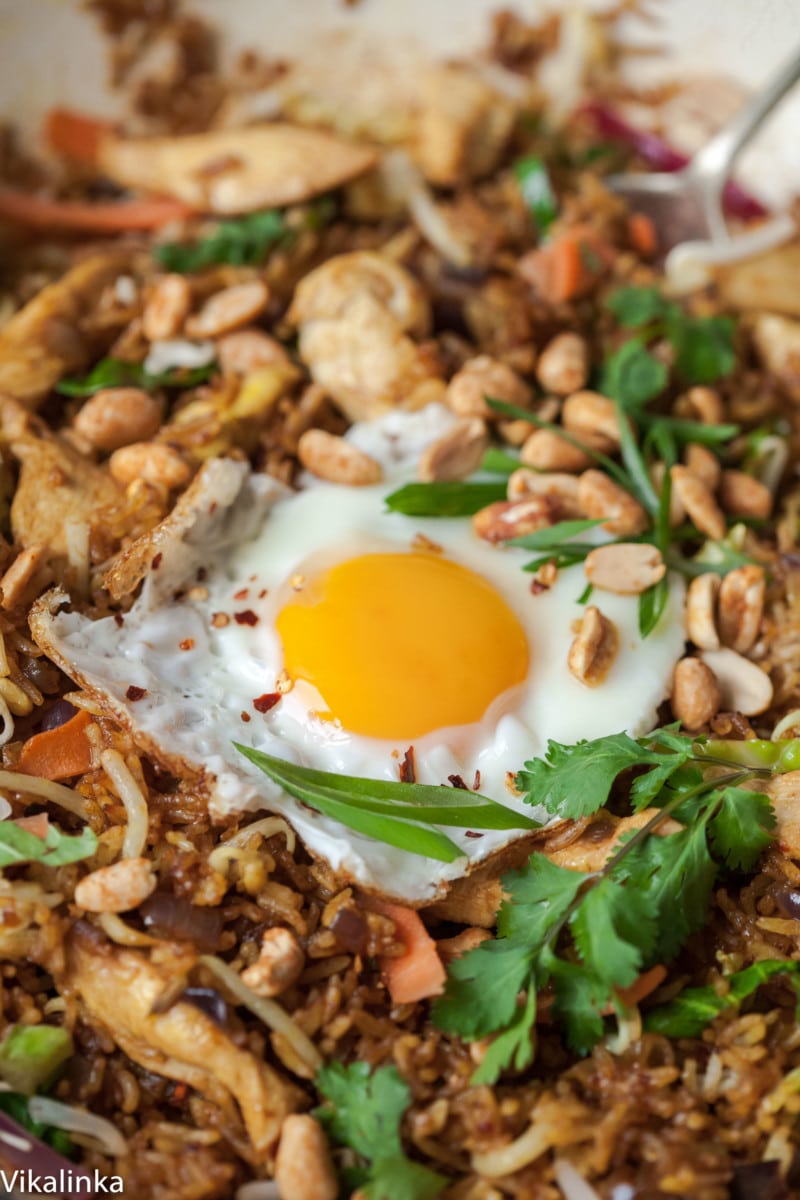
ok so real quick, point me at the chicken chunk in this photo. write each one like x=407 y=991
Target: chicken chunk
x=784 y=792
x=120 y=988
x=236 y=170
x=764 y=281
x=462 y=126
x=777 y=340
x=355 y=314
x=45 y=340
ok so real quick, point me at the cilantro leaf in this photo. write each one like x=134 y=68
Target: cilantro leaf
x=742 y=828
x=580 y=1001
x=54 y=850
x=480 y=995
x=243 y=241
x=115 y=372
x=364 y=1112
x=704 y=349
x=633 y=376
x=689 y=1013
x=537 y=190
x=636 y=306
x=514 y=1046
x=574 y=781
x=613 y=933
x=539 y=896
x=646 y=788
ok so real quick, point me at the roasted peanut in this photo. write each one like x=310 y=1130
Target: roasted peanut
x=560 y=487
x=509 y=519
x=484 y=376
x=548 y=451
x=154 y=462
x=229 y=309
x=590 y=413
x=117 y=888
x=699 y=502
x=594 y=648
x=167 y=307
x=600 y=496
x=278 y=965
x=514 y=433
x=627 y=568
x=704 y=464
x=19 y=575
x=745 y=687
x=455 y=455
x=741 y=607
x=701 y=604
x=563 y=365
x=743 y=496
x=303 y=1166
x=336 y=460
x=696 y=695
x=249 y=350
x=116 y=417
x=705 y=404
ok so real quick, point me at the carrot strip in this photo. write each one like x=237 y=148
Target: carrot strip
x=38 y=212
x=643 y=234
x=567 y=267
x=419 y=972
x=75 y=135
x=643 y=986
x=37 y=825
x=58 y=753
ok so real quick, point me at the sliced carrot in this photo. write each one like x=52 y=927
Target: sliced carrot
x=37 y=825
x=58 y=753
x=642 y=233
x=38 y=212
x=419 y=972
x=643 y=986
x=567 y=267
x=75 y=135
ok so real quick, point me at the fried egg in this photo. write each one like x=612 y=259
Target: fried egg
x=320 y=628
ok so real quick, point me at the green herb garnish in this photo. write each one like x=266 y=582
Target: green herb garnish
x=590 y=934
x=364 y=1111
x=114 y=372
x=444 y=499
x=633 y=376
x=399 y=814
x=32 y=1055
x=695 y=1008
x=537 y=191
x=54 y=850
x=244 y=241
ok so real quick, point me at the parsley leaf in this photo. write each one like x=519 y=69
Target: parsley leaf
x=689 y=1013
x=364 y=1111
x=574 y=781
x=742 y=828
x=54 y=850
x=637 y=306
x=243 y=241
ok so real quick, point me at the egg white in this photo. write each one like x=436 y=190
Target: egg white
x=200 y=675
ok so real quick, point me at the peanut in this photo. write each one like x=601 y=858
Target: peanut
x=743 y=496
x=455 y=455
x=701 y=603
x=705 y=465
x=594 y=648
x=590 y=413
x=249 y=350
x=117 y=888
x=548 y=451
x=741 y=607
x=116 y=417
x=303 y=1166
x=696 y=695
x=745 y=687
x=507 y=519
x=600 y=496
x=278 y=965
x=155 y=462
x=699 y=502
x=336 y=460
x=705 y=404
x=557 y=485
x=563 y=365
x=167 y=307
x=485 y=376
x=627 y=568
x=229 y=309
x=19 y=575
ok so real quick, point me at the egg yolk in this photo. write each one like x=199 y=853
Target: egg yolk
x=399 y=645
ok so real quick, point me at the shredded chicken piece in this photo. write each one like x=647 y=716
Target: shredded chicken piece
x=120 y=988
x=784 y=792
x=462 y=127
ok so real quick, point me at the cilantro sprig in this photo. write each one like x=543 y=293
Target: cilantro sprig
x=364 y=1111
x=695 y=1008
x=245 y=240
x=115 y=372
x=586 y=935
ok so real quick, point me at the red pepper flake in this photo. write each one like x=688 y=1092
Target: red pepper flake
x=476 y=786
x=179 y=1093
x=186 y=644
x=264 y=592
x=248 y=617
x=136 y=693
x=264 y=703
x=408 y=773
x=470 y=833
x=241 y=594
x=245 y=716
x=458 y=782
x=537 y=587
x=156 y=563
x=119 y=620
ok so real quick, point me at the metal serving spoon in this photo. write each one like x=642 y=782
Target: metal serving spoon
x=686 y=205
